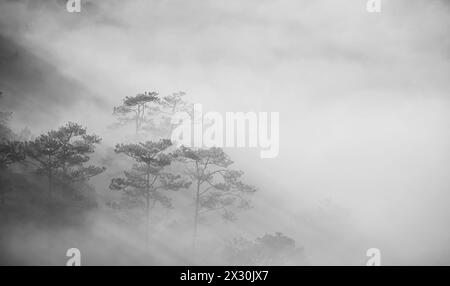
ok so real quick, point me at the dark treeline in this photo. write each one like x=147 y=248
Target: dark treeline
x=46 y=182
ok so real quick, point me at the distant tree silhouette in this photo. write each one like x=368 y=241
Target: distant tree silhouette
x=162 y=113
x=137 y=107
x=270 y=249
x=11 y=152
x=5 y=131
x=216 y=186
x=144 y=185
x=64 y=153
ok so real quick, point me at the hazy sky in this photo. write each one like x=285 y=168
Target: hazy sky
x=363 y=101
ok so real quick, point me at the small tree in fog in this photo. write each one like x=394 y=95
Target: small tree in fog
x=136 y=106
x=144 y=185
x=64 y=153
x=5 y=132
x=11 y=152
x=162 y=113
x=217 y=187
x=270 y=249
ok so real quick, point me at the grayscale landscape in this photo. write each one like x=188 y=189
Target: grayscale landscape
x=360 y=151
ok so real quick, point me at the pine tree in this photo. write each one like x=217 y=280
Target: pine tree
x=64 y=153
x=146 y=183
x=217 y=187
x=137 y=107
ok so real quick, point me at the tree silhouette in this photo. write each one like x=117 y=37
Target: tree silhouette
x=64 y=153
x=5 y=132
x=10 y=152
x=270 y=249
x=162 y=113
x=137 y=106
x=144 y=184
x=216 y=186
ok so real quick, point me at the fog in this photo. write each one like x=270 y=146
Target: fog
x=364 y=119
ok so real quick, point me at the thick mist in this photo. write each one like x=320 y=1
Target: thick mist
x=364 y=120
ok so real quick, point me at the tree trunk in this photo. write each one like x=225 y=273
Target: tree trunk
x=172 y=126
x=137 y=120
x=49 y=216
x=49 y=191
x=147 y=206
x=197 y=207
